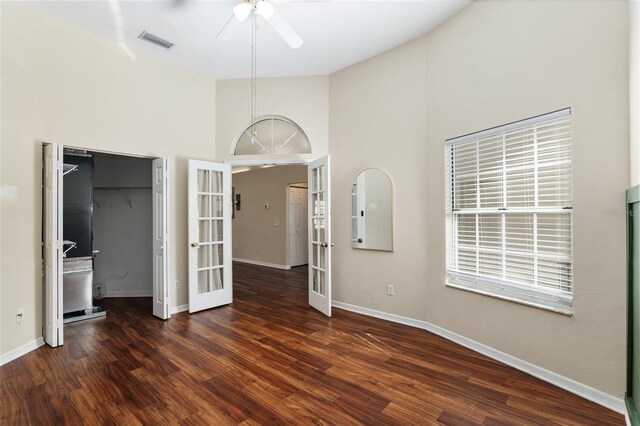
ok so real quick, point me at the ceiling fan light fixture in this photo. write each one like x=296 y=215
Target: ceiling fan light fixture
x=243 y=10
x=264 y=9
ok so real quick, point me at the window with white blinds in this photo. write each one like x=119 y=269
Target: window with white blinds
x=509 y=212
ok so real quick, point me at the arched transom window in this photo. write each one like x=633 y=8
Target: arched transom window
x=272 y=134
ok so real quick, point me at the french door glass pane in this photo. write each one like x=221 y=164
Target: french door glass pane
x=209 y=181
x=204 y=257
x=204 y=231
x=216 y=206
x=217 y=279
x=216 y=182
x=216 y=229
x=204 y=282
x=321 y=178
x=210 y=235
x=321 y=259
x=314 y=257
x=210 y=280
x=204 y=206
x=320 y=234
x=216 y=254
x=314 y=185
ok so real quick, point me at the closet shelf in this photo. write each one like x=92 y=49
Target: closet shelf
x=71 y=244
x=68 y=168
x=121 y=189
x=118 y=188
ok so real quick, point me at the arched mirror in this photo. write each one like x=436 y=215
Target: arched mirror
x=371 y=211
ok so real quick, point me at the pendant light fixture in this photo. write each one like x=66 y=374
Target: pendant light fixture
x=260 y=7
x=264 y=9
x=271 y=16
x=254 y=55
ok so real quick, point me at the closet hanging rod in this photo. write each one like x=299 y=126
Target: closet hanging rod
x=118 y=188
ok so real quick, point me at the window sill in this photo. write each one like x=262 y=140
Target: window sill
x=540 y=300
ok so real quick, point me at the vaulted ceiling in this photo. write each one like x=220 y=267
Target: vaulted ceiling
x=336 y=33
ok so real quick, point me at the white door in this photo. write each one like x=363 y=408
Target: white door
x=298 y=237
x=52 y=230
x=160 y=238
x=320 y=235
x=210 y=277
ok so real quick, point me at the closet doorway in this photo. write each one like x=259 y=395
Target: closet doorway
x=122 y=226
x=105 y=235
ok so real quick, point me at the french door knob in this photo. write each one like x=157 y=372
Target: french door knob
x=194 y=244
x=324 y=245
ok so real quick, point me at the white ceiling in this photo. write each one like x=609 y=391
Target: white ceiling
x=336 y=34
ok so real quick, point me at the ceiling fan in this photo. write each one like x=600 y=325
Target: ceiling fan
x=265 y=10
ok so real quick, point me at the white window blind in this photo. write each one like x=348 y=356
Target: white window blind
x=509 y=200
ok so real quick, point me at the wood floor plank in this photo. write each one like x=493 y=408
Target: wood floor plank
x=269 y=359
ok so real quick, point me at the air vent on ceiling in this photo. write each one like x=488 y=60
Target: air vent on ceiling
x=155 y=40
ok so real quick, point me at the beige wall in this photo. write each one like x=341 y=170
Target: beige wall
x=64 y=86
x=305 y=100
x=255 y=237
x=493 y=63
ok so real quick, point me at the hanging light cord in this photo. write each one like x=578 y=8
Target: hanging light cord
x=253 y=67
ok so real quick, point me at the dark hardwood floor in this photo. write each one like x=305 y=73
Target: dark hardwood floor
x=270 y=359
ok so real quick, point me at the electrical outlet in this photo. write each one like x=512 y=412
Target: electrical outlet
x=176 y=285
x=276 y=223
x=19 y=315
x=391 y=290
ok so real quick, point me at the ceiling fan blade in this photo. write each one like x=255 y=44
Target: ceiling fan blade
x=286 y=32
x=228 y=29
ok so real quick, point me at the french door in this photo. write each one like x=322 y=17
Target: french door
x=320 y=235
x=210 y=250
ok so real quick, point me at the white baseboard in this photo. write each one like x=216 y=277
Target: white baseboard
x=609 y=401
x=21 y=350
x=259 y=263
x=128 y=293
x=178 y=309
